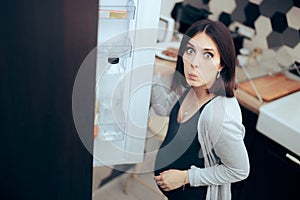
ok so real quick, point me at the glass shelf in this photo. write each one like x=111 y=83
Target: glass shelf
x=118 y=47
x=113 y=12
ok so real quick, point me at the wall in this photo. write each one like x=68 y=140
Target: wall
x=275 y=23
x=167 y=6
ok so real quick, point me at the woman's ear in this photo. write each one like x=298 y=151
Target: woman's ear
x=220 y=68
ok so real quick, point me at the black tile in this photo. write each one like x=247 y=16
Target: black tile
x=252 y=12
x=279 y=22
x=225 y=18
x=297 y=3
x=205 y=2
x=290 y=37
x=274 y=40
x=269 y=7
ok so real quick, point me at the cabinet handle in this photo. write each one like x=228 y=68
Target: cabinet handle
x=292 y=158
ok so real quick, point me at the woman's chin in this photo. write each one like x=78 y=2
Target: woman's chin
x=195 y=84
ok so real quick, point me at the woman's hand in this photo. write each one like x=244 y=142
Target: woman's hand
x=172 y=179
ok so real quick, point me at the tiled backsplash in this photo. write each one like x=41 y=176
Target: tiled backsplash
x=275 y=23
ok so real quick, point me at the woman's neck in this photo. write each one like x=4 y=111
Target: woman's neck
x=201 y=93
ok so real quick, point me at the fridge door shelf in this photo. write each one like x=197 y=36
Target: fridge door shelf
x=119 y=47
x=111 y=131
x=112 y=12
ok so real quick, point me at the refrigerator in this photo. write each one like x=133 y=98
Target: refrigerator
x=127 y=36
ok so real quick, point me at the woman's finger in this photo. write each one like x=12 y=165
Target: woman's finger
x=157 y=178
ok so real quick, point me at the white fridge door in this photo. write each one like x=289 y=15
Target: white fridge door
x=127 y=34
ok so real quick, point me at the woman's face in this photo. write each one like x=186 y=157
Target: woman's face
x=201 y=61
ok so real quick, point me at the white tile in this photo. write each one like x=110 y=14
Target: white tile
x=263 y=26
x=258 y=2
x=283 y=56
x=293 y=18
x=217 y=7
x=257 y=41
x=295 y=53
x=228 y=6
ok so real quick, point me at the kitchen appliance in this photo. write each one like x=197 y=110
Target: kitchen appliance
x=127 y=32
x=166 y=29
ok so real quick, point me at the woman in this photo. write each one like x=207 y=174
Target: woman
x=203 y=151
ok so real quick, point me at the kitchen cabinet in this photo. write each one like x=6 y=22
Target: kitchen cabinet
x=272 y=174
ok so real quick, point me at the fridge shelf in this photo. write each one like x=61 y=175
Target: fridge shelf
x=117 y=12
x=118 y=47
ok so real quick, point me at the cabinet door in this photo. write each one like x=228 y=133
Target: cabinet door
x=281 y=175
x=274 y=176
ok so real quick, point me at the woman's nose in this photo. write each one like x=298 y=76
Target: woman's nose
x=194 y=65
x=195 y=62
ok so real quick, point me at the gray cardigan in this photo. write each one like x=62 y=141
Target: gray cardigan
x=220 y=134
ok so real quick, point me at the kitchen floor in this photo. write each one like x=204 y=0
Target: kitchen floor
x=138 y=182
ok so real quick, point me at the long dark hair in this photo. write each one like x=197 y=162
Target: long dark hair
x=218 y=32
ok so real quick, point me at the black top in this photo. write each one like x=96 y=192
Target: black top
x=179 y=150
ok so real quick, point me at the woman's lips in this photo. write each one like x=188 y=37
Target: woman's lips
x=192 y=76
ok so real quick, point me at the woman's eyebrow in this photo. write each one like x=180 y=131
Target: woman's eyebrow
x=190 y=44
x=208 y=49
x=204 y=49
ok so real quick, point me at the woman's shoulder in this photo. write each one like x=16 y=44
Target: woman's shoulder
x=225 y=107
x=220 y=112
x=226 y=103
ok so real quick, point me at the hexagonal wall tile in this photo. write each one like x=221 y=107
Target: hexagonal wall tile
x=256 y=42
x=283 y=56
x=296 y=3
x=295 y=53
x=292 y=17
x=238 y=15
x=263 y=26
x=258 y=2
x=268 y=8
x=227 y=6
x=252 y=12
x=274 y=40
x=217 y=7
x=225 y=18
x=279 y=22
x=290 y=37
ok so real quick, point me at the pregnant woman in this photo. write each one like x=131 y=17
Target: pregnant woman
x=203 y=151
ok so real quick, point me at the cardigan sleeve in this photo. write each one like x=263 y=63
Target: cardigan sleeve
x=162 y=98
x=228 y=146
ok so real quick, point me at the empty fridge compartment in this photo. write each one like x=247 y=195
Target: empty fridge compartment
x=118 y=47
x=117 y=12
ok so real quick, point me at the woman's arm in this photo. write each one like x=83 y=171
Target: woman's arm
x=162 y=98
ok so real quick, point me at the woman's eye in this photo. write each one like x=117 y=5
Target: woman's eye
x=190 y=50
x=208 y=55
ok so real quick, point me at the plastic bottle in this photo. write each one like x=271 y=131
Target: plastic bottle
x=110 y=99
